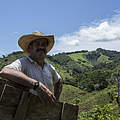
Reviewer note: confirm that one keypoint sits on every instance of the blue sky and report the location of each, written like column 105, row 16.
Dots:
column 76, row 24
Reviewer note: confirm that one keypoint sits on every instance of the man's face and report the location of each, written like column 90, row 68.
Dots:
column 37, row 49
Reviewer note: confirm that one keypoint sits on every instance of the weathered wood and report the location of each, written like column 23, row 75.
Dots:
column 9, row 99
column 17, row 104
column 38, row 111
column 22, row 107
column 2, row 87
column 7, row 112
column 70, row 112
column 11, row 96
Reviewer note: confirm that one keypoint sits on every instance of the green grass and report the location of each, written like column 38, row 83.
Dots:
column 69, row 93
column 76, row 56
column 79, row 57
column 103, row 59
column 86, row 100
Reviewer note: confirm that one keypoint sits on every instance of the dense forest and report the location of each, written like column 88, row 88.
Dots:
column 90, row 78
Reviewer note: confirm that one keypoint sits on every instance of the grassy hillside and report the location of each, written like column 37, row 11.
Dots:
column 78, row 57
column 87, row 76
column 103, row 59
column 88, row 101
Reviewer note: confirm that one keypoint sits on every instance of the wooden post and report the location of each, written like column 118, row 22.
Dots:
column 22, row 107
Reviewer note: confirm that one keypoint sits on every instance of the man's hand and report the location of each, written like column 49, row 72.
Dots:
column 45, row 94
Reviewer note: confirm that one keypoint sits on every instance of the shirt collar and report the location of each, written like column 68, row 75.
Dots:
column 32, row 61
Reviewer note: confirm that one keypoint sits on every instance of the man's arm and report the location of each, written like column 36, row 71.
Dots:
column 58, row 89
column 21, row 78
column 17, row 76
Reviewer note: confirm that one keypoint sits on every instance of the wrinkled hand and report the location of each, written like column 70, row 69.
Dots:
column 45, row 95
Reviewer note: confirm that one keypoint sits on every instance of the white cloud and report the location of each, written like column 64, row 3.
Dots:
column 105, row 34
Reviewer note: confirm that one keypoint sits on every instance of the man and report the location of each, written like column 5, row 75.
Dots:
column 32, row 71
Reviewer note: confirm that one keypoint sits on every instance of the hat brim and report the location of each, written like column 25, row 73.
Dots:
column 25, row 40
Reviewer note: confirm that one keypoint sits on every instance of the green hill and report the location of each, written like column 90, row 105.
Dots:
column 87, row 101
column 87, row 76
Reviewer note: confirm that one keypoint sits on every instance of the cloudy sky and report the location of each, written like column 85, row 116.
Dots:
column 76, row 24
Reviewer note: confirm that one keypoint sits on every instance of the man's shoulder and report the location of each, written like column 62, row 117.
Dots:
column 23, row 59
column 50, row 66
column 19, row 60
column 17, row 64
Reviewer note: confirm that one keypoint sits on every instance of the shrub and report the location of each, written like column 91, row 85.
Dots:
column 99, row 113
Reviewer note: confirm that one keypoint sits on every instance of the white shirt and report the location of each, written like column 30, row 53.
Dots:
column 48, row 75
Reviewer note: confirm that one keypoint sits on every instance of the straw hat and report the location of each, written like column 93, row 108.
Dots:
column 25, row 40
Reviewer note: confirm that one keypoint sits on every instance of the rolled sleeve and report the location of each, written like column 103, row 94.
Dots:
column 17, row 65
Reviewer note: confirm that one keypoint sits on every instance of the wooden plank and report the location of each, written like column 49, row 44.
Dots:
column 22, row 107
column 2, row 86
column 7, row 112
column 70, row 112
column 39, row 111
column 9, row 93
column 11, row 96
column 9, row 99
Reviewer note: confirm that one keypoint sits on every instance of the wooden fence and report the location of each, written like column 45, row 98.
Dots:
column 18, row 104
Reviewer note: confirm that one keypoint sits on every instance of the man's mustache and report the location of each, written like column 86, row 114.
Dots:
column 40, row 49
